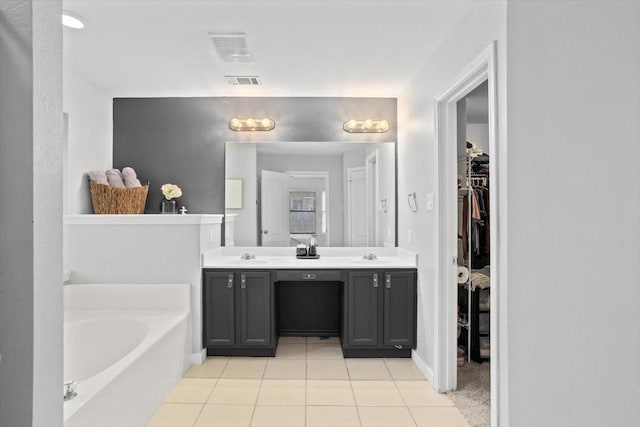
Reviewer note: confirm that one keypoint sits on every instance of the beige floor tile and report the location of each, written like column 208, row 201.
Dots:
column 329, row 392
column 376, row 393
column 403, row 369
column 212, row 367
column 325, row 369
column 175, row 415
column 245, row 367
column 282, row 392
column 332, row 416
column 278, row 416
column 317, row 340
column 367, row 369
column 324, row 351
column 225, row 416
column 286, row 369
column 420, row 393
column 438, row 417
column 385, row 417
column 192, row 390
column 292, row 340
column 291, row 351
column 235, row 392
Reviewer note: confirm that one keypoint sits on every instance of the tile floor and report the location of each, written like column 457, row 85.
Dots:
column 309, row 384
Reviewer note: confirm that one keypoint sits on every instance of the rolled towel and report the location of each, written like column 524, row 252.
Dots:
column 130, row 178
column 98, row 176
column 115, row 178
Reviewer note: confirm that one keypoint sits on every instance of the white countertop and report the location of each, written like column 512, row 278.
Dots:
column 330, row 258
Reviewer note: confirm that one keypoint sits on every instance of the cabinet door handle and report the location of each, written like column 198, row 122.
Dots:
column 309, row 276
column 230, row 281
column 243, row 281
column 388, row 280
column 375, row 280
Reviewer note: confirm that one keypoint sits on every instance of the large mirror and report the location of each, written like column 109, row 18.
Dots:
column 341, row 194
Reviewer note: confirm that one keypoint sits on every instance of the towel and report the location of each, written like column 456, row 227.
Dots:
column 99, row 176
column 130, row 178
column 115, row 178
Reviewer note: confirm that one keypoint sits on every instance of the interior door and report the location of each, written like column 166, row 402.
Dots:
column 274, row 209
column 357, row 209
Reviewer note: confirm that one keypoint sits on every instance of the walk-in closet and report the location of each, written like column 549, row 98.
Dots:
column 474, row 253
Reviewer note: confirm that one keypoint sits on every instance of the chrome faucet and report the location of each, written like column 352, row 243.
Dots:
column 247, row 255
column 369, row 256
column 70, row 390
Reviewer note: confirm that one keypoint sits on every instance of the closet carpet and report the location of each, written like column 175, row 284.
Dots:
column 473, row 396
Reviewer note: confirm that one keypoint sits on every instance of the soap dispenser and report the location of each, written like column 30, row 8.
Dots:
column 312, row 251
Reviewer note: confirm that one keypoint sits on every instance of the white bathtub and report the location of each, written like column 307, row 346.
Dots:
column 126, row 346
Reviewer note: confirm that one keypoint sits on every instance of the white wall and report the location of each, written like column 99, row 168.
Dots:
column 484, row 23
column 478, row 133
column 90, row 133
column 31, row 217
column 574, row 209
column 332, row 164
column 240, row 162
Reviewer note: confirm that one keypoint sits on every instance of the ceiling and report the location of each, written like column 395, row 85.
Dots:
column 161, row 48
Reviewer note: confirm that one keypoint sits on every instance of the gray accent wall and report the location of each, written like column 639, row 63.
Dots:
column 181, row 140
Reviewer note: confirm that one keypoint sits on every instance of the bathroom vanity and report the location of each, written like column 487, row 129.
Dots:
column 369, row 303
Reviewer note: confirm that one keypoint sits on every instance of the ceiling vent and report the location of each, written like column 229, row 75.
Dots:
column 232, row 47
column 243, row 80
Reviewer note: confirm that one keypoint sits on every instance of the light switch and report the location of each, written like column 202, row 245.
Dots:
column 429, row 201
column 409, row 236
column 210, row 236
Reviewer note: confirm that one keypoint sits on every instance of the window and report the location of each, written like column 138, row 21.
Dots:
column 302, row 212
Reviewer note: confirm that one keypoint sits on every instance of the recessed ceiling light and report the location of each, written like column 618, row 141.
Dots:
column 72, row 20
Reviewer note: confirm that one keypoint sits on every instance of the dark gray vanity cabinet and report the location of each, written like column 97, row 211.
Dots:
column 379, row 313
column 238, row 313
column 219, row 308
column 399, row 312
column 362, row 308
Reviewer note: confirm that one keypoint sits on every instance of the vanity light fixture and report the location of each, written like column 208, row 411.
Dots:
column 71, row 20
column 250, row 124
column 366, row 126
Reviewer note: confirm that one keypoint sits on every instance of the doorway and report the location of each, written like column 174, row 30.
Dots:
column 481, row 69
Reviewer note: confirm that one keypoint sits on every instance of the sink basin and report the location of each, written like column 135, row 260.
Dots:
column 369, row 261
column 253, row 261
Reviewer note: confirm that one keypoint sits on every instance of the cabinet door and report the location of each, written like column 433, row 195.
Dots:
column 256, row 308
column 399, row 308
column 362, row 308
column 219, row 309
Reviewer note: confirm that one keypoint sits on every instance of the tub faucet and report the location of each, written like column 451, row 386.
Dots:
column 70, row 390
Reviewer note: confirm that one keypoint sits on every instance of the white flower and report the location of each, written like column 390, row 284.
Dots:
column 171, row 191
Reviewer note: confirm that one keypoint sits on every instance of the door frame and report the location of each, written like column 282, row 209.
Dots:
column 347, row 209
column 372, row 168
column 482, row 68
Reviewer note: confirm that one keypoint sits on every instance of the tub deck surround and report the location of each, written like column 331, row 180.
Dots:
column 126, row 346
column 330, row 258
column 161, row 249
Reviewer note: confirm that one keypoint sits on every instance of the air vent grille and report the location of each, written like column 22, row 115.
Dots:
column 232, row 47
column 243, row 80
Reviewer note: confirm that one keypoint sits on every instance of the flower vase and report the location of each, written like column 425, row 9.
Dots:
column 168, row 207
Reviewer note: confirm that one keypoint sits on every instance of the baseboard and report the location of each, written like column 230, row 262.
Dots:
column 199, row 358
column 424, row 368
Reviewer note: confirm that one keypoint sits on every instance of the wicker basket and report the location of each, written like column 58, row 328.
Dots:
column 112, row 200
